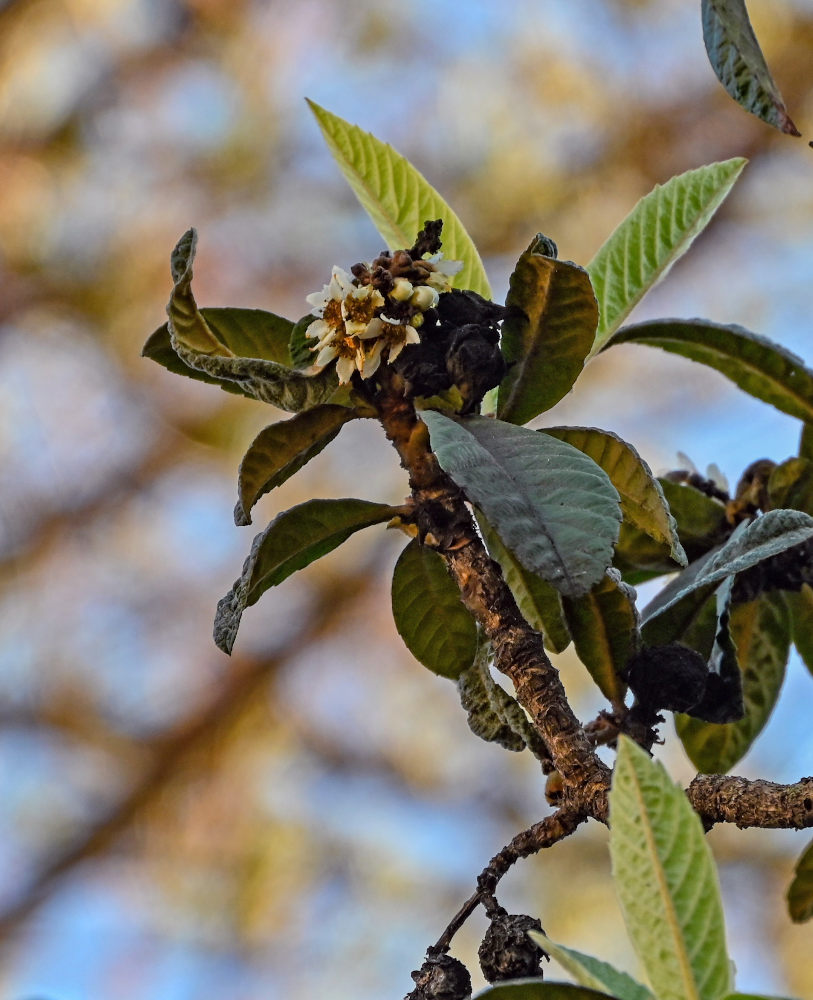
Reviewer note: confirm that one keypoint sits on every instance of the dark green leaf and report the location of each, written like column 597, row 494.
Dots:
column 756, row 365
column 737, row 59
column 604, row 626
column 282, row 449
column 801, row 613
column 546, row 335
column 493, row 714
column 293, row 540
column 656, row 233
column 761, row 634
column 806, row 442
column 800, row 891
column 539, row 602
column 249, row 332
column 767, row 536
column 300, row 346
column 430, row 618
column 551, row 505
column 535, row 989
column 642, row 501
column 791, row 485
column 198, row 346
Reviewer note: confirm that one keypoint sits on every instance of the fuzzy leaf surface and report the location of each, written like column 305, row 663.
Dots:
column 536, row 989
column 539, row 602
column 293, row 540
column 643, row 504
column 769, row 535
column 760, row 631
column 800, row 891
column 198, row 346
column 430, row 618
column 666, row 881
column 801, row 612
column 281, row 449
column 592, row 972
column 754, row 364
column 551, row 505
column 737, row 60
column 398, row 199
column 546, row 335
column 658, row 231
column 604, row 626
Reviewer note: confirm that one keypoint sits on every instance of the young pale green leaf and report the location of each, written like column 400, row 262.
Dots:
column 293, row 540
column 737, row 60
column 760, row 631
column 801, row 613
column 246, row 332
column 546, row 335
column 430, row 618
column 658, row 231
column 536, row 989
column 592, row 972
column 752, row 996
column 539, row 602
column 754, row 364
column 198, row 346
column 281, row 450
column 800, row 891
column 493, row 714
column 604, row 626
column 397, row 198
column 774, row 532
column 643, row 504
column 666, row 881
column 551, row 505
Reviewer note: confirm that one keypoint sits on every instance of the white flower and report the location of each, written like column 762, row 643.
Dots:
column 442, row 271
column 392, row 335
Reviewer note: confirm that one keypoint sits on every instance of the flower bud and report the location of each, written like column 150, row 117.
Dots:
column 401, row 290
column 424, row 298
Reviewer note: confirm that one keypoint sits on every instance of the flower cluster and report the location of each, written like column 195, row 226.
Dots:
column 377, row 311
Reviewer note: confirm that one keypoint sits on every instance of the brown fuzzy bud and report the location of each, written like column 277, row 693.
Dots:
column 506, row 951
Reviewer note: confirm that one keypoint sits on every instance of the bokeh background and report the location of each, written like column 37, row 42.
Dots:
column 302, row 819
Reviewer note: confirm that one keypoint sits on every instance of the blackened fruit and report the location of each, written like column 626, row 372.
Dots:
column 672, row 677
column 441, row 977
column 506, row 951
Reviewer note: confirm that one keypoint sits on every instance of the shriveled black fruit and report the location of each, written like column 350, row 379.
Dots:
column 673, row 677
column 475, row 363
column 441, row 977
column 506, row 951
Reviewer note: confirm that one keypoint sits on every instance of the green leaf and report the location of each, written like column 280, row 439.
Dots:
column 754, row 364
column 767, row 536
column 806, row 442
column 246, row 332
column 536, row 989
column 397, row 198
column 552, row 506
column 546, row 335
column 493, row 714
column 293, row 540
column 198, row 346
column 604, row 626
column 801, row 613
column 299, row 345
column 791, row 485
column 760, row 631
column 281, row 450
column 658, row 231
column 752, row 996
column 800, row 891
column 737, row 60
column 430, row 618
column 666, row 881
column 539, row 602
column 592, row 972
column 643, row 504
column 701, row 520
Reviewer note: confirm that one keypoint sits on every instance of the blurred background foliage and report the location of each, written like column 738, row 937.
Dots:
column 301, row 820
